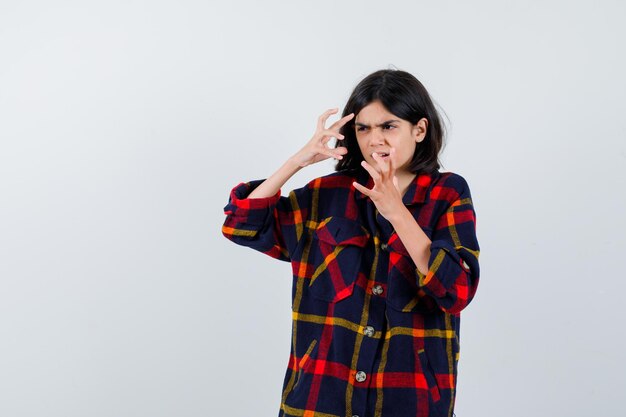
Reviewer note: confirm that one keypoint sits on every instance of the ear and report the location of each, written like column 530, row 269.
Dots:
column 419, row 129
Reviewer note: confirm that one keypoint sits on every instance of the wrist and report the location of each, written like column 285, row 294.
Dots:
column 400, row 216
column 292, row 164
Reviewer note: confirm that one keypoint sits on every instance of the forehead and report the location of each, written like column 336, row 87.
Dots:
column 374, row 113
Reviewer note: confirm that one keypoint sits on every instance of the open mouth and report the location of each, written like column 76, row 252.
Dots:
column 381, row 154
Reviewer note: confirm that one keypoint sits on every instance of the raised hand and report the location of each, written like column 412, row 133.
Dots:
column 386, row 192
column 316, row 150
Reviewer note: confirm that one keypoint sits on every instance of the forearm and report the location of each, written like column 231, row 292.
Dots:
column 271, row 185
column 413, row 238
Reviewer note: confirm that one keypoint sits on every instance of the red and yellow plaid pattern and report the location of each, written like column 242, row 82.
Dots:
column 371, row 335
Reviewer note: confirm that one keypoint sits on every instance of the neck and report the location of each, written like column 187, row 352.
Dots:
column 404, row 180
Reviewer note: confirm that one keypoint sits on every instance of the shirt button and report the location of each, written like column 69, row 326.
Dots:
column 360, row 376
column 354, row 415
column 377, row 289
column 384, row 246
column 369, row 331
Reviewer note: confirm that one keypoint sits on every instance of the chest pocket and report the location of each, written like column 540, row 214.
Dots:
column 337, row 247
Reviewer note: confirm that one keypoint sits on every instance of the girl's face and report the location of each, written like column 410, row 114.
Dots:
column 378, row 130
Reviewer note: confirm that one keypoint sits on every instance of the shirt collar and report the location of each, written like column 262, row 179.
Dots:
column 415, row 194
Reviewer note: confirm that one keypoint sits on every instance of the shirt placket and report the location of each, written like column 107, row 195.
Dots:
column 375, row 329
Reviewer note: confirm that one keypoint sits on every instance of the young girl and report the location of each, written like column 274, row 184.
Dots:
column 384, row 256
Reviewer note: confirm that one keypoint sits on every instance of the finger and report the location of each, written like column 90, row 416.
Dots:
column 375, row 165
column 339, row 123
column 340, row 150
column 324, row 141
column 392, row 159
column 332, row 134
column 382, row 164
column 321, row 121
column 362, row 189
column 331, row 154
column 373, row 173
column 336, row 151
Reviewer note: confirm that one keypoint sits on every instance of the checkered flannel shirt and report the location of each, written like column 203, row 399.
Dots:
column 372, row 335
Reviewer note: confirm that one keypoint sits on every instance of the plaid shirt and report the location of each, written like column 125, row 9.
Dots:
column 371, row 335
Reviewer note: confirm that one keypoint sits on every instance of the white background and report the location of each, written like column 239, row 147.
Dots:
column 124, row 125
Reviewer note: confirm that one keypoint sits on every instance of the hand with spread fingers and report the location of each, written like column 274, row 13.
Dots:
column 316, row 150
column 386, row 192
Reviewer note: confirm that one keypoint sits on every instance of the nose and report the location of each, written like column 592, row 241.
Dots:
column 377, row 137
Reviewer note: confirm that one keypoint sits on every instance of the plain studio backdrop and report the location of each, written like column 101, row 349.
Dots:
column 124, row 126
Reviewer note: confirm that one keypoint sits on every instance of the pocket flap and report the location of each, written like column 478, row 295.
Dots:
column 341, row 231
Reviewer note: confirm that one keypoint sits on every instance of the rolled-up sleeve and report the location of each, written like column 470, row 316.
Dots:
column 272, row 225
column 453, row 270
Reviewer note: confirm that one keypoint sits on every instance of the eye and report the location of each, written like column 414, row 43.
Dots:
column 388, row 127
column 360, row 128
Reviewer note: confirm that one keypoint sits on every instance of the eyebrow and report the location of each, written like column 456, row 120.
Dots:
column 382, row 124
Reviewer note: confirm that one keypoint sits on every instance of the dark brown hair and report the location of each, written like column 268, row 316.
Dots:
column 404, row 96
